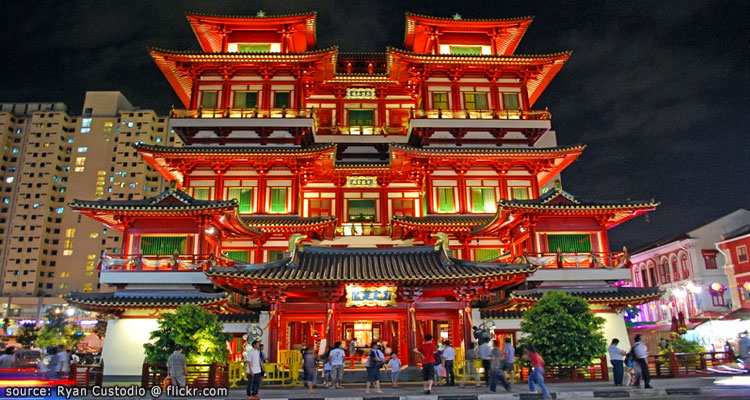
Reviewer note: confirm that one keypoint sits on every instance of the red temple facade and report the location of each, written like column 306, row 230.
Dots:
column 373, row 196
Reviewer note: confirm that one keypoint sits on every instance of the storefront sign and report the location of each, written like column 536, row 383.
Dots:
column 360, row 93
column 361, row 182
column 379, row 296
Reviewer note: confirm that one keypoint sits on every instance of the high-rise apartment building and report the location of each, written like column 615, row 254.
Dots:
column 49, row 158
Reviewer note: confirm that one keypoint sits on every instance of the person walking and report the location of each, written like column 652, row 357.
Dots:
column 63, row 361
column 640, row 356
column 485, row 354
column 496, row 369
column 537, row 374
column 395, row 366
column 449, row 356
column 375, row 361
column 310, row 367
column 254, row 371
column 337, row 357
column 509, row 359
column 327, row 371
column 744, row 346
column 616, row 358
column 177, row 367
column 470, row 370
column 427, row 350
column 438, row 365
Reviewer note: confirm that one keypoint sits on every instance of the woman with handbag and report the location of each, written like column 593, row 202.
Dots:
column 375, row 361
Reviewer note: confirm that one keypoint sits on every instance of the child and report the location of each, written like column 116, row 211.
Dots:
column 327, row 373
column 395, row 365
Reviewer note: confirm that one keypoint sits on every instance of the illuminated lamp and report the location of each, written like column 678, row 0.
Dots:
column 746, row 285
column 717, row 287
column 70, row 312
column 210, row 230
column 653, row 306
column 679, row 293
column 663, row 306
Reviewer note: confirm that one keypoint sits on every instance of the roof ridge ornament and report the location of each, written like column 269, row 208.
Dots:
column 442, row 243
column 295, row 247
column 558, row 185
column 260, row 14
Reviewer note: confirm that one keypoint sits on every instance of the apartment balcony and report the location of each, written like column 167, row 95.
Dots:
column 593, row 266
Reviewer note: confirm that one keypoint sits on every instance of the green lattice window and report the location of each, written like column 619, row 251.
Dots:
column 475, row 101
column 486, row 254
column 245, row 99
column 244, row 196
column 467, row 50
column 163, row 245
column 361, row 210
column 446, row 201
column 360, row 118
column 275, row 255
column 510, row 100
column 569, row 242
column 238, row 255
column 278, row 200
column 520, row 193
column 483, row 200
column 281, row 100
column 208, row 98
column 440, row 101
column 254, row 48
column 202, row 193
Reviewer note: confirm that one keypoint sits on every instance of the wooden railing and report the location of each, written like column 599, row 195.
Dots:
column 578, row 260
column 197, row 375
column 684, row 365
column 164, row 263
column 242, row 113
column 360, row 130
column 86, row 375
column 362, row 229
column 482, row 114
column 556, row 373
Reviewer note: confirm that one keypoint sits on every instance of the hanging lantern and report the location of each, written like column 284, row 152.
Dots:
column 717, row 287
column 746, row 285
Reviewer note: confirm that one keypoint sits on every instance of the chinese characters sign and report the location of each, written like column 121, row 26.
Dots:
column 360, row 93
column 361, row 182
column 379, row 296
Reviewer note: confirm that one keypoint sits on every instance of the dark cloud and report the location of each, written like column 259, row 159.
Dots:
column 657, row 90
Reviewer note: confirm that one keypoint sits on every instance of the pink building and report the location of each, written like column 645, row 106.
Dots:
column 734, row 247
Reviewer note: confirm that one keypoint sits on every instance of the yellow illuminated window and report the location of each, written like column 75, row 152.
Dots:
column 80, row 164
column 63, row 285
column 91, row 257
column 67, row 252
column 94, row 235
column 70, row 233
column 64, row 274
column 87, row 287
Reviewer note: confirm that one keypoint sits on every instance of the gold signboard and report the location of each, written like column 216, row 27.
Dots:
column 360, row 93
column 378, row 296
column 361, row 182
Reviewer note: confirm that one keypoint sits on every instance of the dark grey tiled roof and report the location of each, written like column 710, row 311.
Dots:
column 546, row 200
column 501, row 314
column 261, row 221
column 170, row 199
column 599, row 293
column 238, row 318
column 401, row 264
column 447, row 219
column 142, row 299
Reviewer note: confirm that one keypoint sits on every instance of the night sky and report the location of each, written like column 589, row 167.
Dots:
column 657, row 90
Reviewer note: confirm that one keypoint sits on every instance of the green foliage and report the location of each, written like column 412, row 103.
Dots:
column 193, row 328
column 27, row 335
column 564, row 330
column 57, row 331
column 682, row 345
column 100, row 329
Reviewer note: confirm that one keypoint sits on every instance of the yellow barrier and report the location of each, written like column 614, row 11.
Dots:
column 236, row 373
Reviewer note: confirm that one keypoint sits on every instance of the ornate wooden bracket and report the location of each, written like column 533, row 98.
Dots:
column 410, row 293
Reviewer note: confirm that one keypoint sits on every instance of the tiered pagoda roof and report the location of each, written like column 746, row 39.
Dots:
column 322, row 227
column 612, row 296
column 118, row 302
column 403, row 265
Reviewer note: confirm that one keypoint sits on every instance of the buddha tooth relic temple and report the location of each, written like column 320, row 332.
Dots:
column 323, row 195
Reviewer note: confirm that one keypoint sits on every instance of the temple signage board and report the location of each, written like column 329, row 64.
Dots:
column 375, row 296
column 361, row 182
column 360, row 93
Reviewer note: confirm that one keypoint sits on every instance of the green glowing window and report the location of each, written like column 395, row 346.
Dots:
column 244, row 196
column 510, row 100
column 466, row 50
column 208, row 98
column 482, row 200
column 569, row 243
column 253, row 48
column 361, row 210
column 275, row 255
column 245, row 99
column 238, row 255
column 520, row 193
column 475, row 101
column 281, row 99
column 360, row 118
column 486, row 254
column 440, row 101
column 163, row 245
column 278, row 200
column 446, row 201
column 201, row 193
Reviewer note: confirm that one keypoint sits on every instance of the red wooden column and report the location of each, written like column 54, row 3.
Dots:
column 331, row 295
column 274, row 297
column 410, row 295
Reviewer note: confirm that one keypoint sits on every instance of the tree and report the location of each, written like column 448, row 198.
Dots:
column 196, row 330
column 27, row 335
column 564, row 330
column 57, row 331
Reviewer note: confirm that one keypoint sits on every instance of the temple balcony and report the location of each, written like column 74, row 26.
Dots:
column 157, row 269
column 362, row 229
column 593, row 266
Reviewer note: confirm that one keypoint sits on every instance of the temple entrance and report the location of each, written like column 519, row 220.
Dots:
column 301, row 334
column 365, row 332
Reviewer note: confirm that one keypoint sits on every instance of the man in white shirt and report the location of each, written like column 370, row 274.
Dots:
column 337, row 357
column 616, row 356
column 485, row 354
column 6, row 360
column 254, row 371
column 449, row 355
column 63, row 361
column 640, row 355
